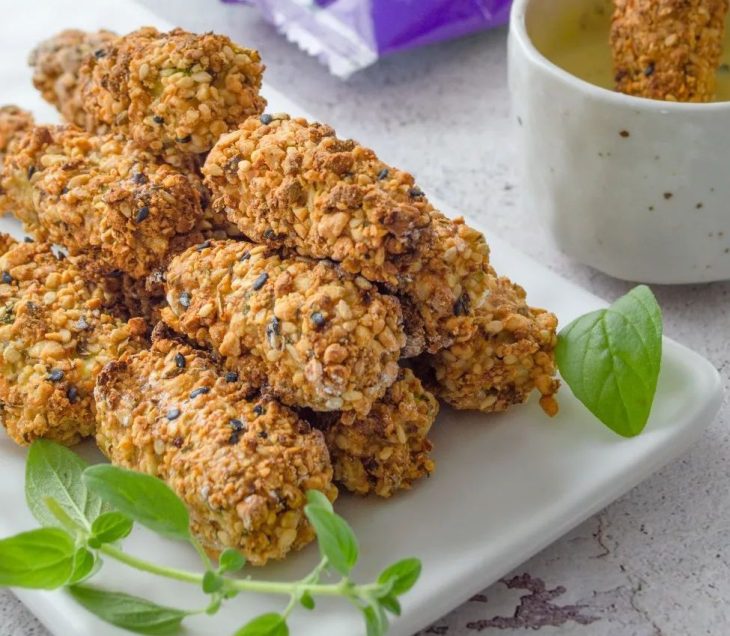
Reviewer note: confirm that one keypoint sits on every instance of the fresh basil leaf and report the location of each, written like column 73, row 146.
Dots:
column 335, row 537
column 110, row 527
column 128, row 612
column 212, row 582
column 38, row 559
column 402, row 574
column 318, row 498
column 84, row 562
column 53, row 471
column 142, row 497
column 307, row 601
column 265, row 625
column 611, row 359
column 391, row 604
column 231, row 560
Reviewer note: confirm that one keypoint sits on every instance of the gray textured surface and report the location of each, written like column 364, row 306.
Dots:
column 653, row 563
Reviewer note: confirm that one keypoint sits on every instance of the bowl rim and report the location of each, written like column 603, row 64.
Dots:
column 518, row 31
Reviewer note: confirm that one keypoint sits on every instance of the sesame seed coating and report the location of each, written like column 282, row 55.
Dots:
column 668, row 49
column 508, row 354
column 56, row 66
column 172, row 93
column 265, row 329
column 388, row 449
column 82, row 191
column 294, row 184
column 247, row 493
column 55, row 337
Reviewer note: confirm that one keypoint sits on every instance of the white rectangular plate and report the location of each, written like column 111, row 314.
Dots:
column 505, row 485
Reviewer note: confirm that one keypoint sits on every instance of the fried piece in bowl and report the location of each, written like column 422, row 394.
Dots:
column 291, row 183
column 668, row 49
column 316, row 336
column 388, row 449
column 55, row 337
column 241, row 464
column 100, row 196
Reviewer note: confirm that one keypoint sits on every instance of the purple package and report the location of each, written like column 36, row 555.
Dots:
column 348, row 35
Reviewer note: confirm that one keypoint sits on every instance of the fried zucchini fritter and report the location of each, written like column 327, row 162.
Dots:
column 55, row 337
column 242, row 466
column 319, row 338
column 14, row 122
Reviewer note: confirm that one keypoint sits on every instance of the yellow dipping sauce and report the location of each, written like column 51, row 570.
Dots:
column 579, row 44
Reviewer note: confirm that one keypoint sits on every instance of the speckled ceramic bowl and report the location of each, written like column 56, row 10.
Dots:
column 637, row 188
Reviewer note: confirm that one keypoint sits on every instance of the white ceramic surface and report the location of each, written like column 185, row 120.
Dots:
column 505, row 486
column 636, row 188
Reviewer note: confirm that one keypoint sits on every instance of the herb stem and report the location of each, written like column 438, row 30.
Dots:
column 146, row 566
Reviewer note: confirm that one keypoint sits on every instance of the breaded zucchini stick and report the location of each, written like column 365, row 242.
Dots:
column 173, row 93
column 57, row 64
column 55, row 337
column 318, row 337
column 294, row 184
column 509, row 353
column 668, row 49
column 241, row 465
column 388, row 449
column 100, row 196
column 14, row 122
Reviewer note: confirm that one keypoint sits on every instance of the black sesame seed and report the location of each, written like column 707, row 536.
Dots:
column 269, row 234
column 173, row 414
column 235, row 436
column 260, row 281
column 649, row 70
column 177, row 442
column 139, row 178
column 258, row 409
column 245, row 256
column 115, row 273
column 273, row 327
column 318, row 319
column 64, row 190
column 263, row 434
column 237, row 425
column 202, row 246
column 28, row 239
column 201, row 390
column 6, row 278
column 266, row 119
column 383, row 174
column 231, row 376
column 142, row 214
column 99, row 53
column 184, row 140
column 415, row 192
column 158, row 120
column 180, row 360
column 31, row 171
column 185, row 299
column 72, row 394
column 56, row 375
column 461, row 306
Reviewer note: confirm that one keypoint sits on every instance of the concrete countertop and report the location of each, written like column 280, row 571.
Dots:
column 653, row 563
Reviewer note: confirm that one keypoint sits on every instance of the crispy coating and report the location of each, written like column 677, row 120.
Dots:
column 172, row 93
column 56, row 65
column 55, row 337
column 388, row 449
column 242, row 466
column 101, row 196
column 320, row 338
column 294, row 184
column 14, row 122
column 508, row 354
column 668, row 49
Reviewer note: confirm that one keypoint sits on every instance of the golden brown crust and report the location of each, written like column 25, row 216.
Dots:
column 55, row 336
column 14, row 122
column 668, row 49
column 172, row 93
column 101, row 196
column 509, row 353
column 388, row 449
column 56, row 66
column 242, row 466
column 318, row 337
column 294, row 184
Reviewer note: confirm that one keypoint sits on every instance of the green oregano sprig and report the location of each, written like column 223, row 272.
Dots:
column 86, row 511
